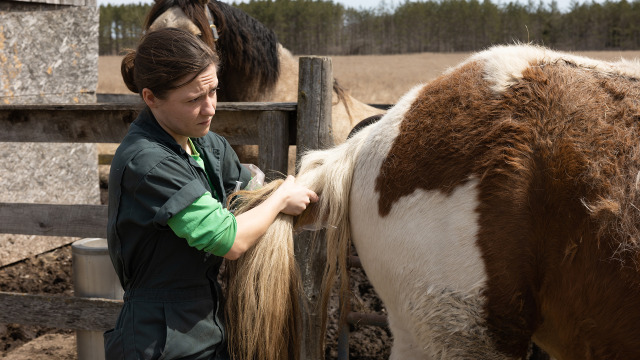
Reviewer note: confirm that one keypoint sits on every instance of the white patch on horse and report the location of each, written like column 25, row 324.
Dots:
column 504, row 65
column 175, row 18
column 432, row 288
column 432, row 285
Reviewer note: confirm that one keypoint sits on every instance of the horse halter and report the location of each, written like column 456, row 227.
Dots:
column 212, row 26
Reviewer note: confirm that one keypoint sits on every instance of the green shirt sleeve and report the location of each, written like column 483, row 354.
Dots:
column 206, row 225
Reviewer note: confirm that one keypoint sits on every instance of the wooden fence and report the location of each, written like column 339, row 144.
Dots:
column 271, row 126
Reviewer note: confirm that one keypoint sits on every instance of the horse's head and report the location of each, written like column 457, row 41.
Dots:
column 176, row 18
column 192, row 16
column 248, row 50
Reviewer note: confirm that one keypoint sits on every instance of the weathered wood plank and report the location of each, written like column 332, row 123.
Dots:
column 314, row 111
column 274, row 141
column 105, row 159
column 314, row 132
column 221, row 106
column 60, row 312
column 108, row 123
column 256, row 106
column 65, row 125
column 62, row 2
column 54, row 220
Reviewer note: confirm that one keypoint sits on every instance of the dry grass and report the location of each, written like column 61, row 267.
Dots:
column 375, row 79
column 109, row 77
column 382, row 79
column 379, row 79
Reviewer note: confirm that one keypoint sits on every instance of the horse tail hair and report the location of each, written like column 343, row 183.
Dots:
column 263, row 286
column 341, row 94
column 330, row 173
column 262, row 310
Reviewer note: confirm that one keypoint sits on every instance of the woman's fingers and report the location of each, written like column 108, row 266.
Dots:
column 313, row 197
column 297, row 196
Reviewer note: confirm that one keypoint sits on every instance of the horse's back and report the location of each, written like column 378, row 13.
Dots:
column 491, row 192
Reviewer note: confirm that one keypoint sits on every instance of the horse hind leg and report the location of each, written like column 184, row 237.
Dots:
column 442, row 324
column 404, row 346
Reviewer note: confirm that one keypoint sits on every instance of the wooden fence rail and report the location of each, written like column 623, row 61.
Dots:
column 54, row 220
column 108, row 123
column 60, row 312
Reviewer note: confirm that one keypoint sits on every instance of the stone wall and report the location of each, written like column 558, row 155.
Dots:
column 48, row 54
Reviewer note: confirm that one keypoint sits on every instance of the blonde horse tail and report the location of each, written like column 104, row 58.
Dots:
column 330, row 173
column 263, row 287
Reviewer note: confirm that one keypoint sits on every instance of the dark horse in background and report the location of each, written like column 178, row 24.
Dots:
column 254, row 66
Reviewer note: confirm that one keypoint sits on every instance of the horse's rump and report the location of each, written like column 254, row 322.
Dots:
column 536, row 154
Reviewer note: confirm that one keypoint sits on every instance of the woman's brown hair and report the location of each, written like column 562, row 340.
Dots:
column 163, row 59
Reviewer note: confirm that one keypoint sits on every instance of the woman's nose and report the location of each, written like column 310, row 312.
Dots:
column 209, row 107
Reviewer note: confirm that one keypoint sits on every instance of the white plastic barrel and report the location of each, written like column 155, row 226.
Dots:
column 93, row 276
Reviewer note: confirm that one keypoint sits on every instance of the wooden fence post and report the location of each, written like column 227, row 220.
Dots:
column 273, row 127
column 314, row 132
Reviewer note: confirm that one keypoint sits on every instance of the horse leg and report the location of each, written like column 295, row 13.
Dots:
column 404, row 346
column 424, row 264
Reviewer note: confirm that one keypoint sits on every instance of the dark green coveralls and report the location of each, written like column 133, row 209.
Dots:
column 173, row 302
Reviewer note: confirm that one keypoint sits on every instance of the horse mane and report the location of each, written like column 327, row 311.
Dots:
column 248, row 50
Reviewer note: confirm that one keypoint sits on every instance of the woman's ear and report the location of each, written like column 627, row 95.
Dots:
column 148, row 97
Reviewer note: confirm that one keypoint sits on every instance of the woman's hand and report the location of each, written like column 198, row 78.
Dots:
column 290, row 198
column 295, row 197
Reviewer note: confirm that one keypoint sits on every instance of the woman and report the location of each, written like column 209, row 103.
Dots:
column 168, row 230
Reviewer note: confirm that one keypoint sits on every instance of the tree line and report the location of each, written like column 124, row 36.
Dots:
column 120, row 27
column 327, row 28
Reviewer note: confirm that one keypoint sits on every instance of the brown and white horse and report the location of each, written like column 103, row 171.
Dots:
column 254, row 66
column 495, row 206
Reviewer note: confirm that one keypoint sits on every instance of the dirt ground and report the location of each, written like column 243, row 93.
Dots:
column 48, row 273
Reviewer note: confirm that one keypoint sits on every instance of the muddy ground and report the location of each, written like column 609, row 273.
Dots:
column 48, row 273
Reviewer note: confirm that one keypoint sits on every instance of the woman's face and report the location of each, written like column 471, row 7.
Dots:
column 187, row 111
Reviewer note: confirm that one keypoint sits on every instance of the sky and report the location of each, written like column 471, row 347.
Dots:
column 563, row 5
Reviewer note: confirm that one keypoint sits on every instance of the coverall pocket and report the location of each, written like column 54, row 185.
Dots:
column 113, row 345
column 191, row 329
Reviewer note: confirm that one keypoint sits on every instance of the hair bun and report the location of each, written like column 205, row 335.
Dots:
column 127, row 69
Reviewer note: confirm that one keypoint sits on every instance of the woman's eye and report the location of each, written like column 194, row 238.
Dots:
column 214, row 90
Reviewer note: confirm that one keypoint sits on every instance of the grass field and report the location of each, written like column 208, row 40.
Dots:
column 374, row 79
